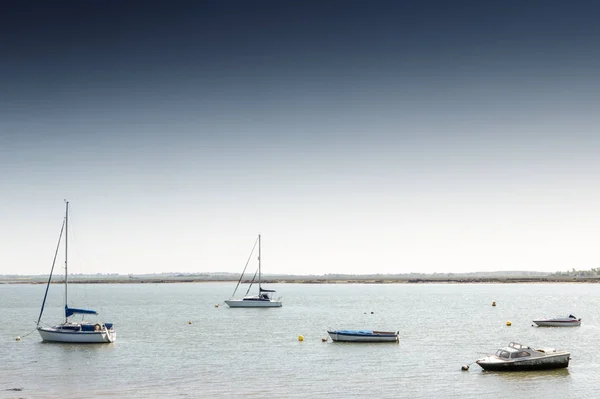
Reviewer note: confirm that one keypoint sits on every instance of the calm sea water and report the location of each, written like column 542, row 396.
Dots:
column 255, row 353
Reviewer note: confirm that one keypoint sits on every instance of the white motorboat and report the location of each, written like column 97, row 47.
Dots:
column 517, row 357
column 363, row 336
column 566, row 321
column 264, row 297
column 71, row 331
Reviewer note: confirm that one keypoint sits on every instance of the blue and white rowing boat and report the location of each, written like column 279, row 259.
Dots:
column 363, row 336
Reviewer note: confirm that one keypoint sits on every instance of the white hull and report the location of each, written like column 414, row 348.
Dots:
column 340, row 337
column 241, row 303
column 557, row 323
column 51, row 334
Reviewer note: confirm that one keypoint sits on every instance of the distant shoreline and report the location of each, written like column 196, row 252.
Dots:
column 307, row 280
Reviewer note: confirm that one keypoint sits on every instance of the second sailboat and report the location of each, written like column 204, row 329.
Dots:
column 264, row 297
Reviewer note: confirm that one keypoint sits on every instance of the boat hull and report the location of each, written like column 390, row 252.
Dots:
column 241, row 303
column 545, row 363
column 348, row 336
column 51, row 334
column 557, row 323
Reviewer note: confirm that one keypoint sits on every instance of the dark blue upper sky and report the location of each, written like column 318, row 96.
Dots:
column 184, row 53
column 422, row 123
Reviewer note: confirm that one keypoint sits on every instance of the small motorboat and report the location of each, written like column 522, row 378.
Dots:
column 517, row 357
column 568, row 321
column 363, row 336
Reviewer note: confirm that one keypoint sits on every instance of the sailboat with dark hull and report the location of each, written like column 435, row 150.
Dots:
column 72, row 331
column 264, row 297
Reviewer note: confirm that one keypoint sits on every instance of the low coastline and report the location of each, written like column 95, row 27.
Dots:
column 300, row 280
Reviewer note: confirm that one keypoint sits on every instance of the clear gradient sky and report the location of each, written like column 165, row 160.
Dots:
column 356, row 137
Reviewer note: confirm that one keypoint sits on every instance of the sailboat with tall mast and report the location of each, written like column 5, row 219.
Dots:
column 264, row 297
column 73, row 331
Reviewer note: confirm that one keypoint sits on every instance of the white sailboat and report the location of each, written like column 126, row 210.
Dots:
column 71, row 331
column 264, row 297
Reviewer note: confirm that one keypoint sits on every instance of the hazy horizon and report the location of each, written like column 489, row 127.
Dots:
column 248, row 275
column 386, row 137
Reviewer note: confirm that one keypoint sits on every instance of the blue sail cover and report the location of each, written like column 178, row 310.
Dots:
column 71, row 311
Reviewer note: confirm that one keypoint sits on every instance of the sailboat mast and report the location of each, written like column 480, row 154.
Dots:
column 62, row 228
column 259, row 278
column 66, row 252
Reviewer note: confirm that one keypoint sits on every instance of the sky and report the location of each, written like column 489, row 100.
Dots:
column 355, row 137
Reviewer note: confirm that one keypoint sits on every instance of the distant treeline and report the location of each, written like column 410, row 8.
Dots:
column 594, row 272
column 592, row 275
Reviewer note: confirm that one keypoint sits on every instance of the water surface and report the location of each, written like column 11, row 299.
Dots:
column 228, row 353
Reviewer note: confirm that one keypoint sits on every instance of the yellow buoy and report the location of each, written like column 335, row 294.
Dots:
column 18, row 338
column 493, row 303
column 508, row 323
column 300, row 338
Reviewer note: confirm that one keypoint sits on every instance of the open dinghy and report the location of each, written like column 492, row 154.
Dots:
column 363, row 336
column 567, row 321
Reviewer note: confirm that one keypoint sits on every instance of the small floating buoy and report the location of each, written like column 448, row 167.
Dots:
column 465, row 367
column 323, row 339
column 372, row 313
column 216, row 305
column 18, row 338
column 300, row 338
column 508, row 323
column 189, row 322
column 493, row 303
